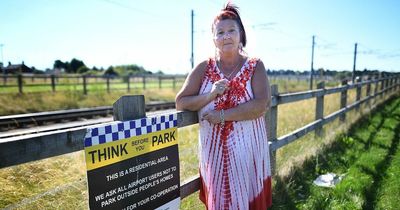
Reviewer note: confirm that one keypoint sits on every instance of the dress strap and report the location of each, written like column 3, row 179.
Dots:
column 211, row 73
column 252, row 65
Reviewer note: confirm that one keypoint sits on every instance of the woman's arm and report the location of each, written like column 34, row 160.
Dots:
column 188, row 98
column 251, row 109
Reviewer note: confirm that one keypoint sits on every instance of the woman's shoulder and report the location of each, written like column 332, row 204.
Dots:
column 201, row 68
column 254, row 59
column 202, row 65
column 255, row 62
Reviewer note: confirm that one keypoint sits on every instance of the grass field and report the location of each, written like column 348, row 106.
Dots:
column 37, row 85
column 93, row 85
column 60, row 182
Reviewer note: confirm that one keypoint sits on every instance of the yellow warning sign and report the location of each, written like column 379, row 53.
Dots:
column 112, row 152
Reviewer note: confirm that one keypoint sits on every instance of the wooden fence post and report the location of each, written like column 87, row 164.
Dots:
column 382, row 87
column 144, row 81
column 319, row 111
column 129, row 108
column 20, row 81
column 271, row 119
column 159, row 82
column 108, row 83
column 368, row 91
column 391, row 84
column 84, row 85
column 397, row 83
column 376, row 88
column 358, row 92
column 4, row 79
column 343, row 100
column 387, row 85
column 128, row 80
column 53, row 83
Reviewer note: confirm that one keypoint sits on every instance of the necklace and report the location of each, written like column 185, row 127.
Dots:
column 233, row 70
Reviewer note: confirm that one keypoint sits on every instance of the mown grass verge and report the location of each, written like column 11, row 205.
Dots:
column 368, row 156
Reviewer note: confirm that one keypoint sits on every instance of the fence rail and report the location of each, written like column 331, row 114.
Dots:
column 83, row 82
column 21, row 120
column 17, row 150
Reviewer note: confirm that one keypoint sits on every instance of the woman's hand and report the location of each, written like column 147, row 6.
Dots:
column 212, row 116
column 218, row 88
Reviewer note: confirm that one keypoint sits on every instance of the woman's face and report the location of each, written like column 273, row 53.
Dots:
column 226, row 36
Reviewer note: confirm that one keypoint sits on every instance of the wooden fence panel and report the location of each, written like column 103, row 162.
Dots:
column 31, row 147
column 343, row 100
column 271, row 119
column 358, row 91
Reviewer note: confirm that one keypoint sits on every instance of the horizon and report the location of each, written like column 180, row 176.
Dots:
column 156, row 35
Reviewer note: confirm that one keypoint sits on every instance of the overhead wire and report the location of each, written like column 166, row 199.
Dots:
column 129, row 7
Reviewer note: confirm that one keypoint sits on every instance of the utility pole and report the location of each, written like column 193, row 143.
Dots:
column 312, row 63
column 192, row 57
column 354, row 64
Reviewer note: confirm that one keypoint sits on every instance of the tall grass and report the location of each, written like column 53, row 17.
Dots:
column 38, row 99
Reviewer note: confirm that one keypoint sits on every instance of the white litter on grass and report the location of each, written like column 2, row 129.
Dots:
column 328, row 180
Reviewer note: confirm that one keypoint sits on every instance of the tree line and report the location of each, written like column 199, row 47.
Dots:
column 76, row 66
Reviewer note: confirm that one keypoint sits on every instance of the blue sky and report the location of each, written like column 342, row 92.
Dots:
column 156, row 34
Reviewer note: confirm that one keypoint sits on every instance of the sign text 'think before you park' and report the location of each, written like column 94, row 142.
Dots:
column 134, row 164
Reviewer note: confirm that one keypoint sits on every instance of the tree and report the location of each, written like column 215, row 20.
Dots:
column 83, row 69
column 131, row 69
column 68, row 68
column 110, row 72
column 60, row 65
column 75, row 65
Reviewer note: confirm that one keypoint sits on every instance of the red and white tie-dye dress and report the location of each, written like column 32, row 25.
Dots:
column 234, row 158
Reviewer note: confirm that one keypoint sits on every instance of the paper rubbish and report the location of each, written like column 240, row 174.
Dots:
column 328, row 180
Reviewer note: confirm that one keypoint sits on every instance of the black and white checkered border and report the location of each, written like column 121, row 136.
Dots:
column 127, row 129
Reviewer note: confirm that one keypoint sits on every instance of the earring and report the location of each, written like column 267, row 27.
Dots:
column 241, row 50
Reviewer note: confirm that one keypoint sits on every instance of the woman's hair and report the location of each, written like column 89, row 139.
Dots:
column 231, row 12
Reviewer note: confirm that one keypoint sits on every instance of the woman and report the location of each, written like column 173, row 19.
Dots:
column 231, row 94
